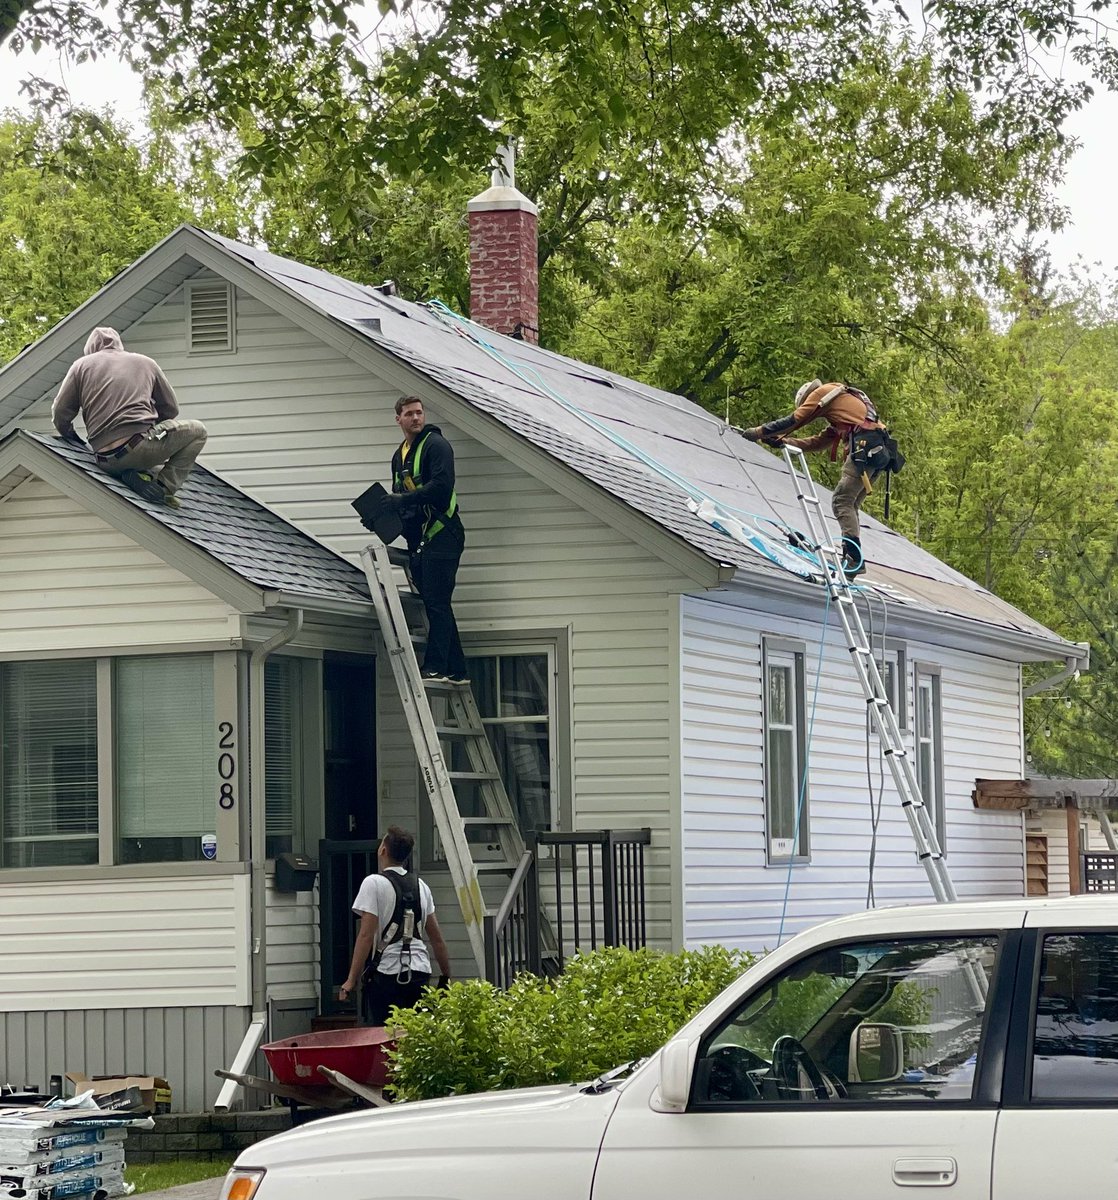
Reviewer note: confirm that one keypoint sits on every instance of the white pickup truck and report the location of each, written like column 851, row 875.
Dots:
column 972, row 1047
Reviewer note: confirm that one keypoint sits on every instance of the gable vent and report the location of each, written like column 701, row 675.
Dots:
column 209, row 317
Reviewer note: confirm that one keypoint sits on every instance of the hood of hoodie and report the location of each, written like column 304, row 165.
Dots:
column 104, row 337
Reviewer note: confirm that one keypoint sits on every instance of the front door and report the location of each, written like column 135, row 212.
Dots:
column 348, row 852
column 853, row 1075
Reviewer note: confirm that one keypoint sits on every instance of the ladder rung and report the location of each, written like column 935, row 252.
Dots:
column 487, row 821
column 458, row 731
column 490, row 867
column 476, row 776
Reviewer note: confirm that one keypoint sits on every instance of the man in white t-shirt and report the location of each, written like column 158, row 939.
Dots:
column 403, row 968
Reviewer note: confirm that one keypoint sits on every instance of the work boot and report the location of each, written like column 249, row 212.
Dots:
column 169, row 497
column 853, row 564
column 143, row 485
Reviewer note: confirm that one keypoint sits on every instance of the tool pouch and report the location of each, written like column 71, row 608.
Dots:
column 875, row 450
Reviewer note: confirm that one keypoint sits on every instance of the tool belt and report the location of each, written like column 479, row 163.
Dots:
column 875, row 450
column 124, row 447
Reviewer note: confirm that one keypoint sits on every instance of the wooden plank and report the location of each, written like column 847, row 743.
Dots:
column 1075, row 881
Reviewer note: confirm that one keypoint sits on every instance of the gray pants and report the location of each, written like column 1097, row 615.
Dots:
column 847, row 499
column 167, row 452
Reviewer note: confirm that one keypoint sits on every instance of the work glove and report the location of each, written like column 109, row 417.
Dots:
column 74, row 438
column 444, row 982
column 753, row 434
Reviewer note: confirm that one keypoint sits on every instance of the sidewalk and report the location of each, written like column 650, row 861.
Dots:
column 205, row 1189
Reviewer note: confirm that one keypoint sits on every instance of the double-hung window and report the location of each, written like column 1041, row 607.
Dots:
column 786, row 801
column 929, row 745
column 515, row 696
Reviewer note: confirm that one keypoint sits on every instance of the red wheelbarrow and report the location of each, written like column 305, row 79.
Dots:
column 327, row 1070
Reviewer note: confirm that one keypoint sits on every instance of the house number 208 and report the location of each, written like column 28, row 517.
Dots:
column 226, row 764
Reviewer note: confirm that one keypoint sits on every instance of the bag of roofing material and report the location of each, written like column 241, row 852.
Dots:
column 39, row 1145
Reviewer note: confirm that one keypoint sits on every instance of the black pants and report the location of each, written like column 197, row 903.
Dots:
column 386, row 990
column 434, row 570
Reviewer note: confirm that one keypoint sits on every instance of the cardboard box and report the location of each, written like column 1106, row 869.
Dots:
column 154, row 1091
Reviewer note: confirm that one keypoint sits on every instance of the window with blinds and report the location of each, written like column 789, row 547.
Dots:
column 48, row 763
column 283, row 740
column 165, row 743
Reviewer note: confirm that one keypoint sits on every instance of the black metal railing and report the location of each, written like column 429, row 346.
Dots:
column 342, row 867
column 1100, row 871
column 512, row 933
column 590, row 883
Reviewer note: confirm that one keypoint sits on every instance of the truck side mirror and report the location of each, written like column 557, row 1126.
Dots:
column 675, row 1077
column 876, row 1053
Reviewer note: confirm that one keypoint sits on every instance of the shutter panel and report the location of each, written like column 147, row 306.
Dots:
column 210, row 317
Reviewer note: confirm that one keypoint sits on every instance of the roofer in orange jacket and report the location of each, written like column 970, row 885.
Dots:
column 868, row 450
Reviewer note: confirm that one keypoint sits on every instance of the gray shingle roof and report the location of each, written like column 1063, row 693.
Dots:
column 234, row 529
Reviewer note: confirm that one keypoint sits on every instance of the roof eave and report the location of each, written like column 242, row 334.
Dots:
column 956, row 631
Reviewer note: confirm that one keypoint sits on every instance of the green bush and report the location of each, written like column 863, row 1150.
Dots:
column 607, row 1007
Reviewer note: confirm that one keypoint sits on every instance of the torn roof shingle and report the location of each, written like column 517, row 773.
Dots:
column 241, row 534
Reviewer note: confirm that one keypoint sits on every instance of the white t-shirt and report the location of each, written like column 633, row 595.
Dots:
column 378, row 897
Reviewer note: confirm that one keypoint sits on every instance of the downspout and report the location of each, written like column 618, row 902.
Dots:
column 1074, row 666
column 257, row 825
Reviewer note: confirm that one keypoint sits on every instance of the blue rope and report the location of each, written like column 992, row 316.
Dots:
column 533, row 378
column 807, row 761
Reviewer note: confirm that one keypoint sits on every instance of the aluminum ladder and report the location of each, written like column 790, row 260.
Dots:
column 877, row 700
column 461, row 723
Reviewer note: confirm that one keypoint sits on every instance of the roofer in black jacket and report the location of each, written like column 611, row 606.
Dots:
column 423, row 479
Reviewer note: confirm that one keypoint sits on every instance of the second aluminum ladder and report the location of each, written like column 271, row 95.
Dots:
column 877, row 699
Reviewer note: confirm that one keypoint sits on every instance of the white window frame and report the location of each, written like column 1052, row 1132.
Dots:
column 895, row 656
column 513, row 647
column 778, row 652
column 928, row 676
column 228, row 770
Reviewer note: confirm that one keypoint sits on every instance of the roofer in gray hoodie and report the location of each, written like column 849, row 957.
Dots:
column 131, row 418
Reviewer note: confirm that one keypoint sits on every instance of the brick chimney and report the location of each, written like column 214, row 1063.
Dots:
column 504, row 267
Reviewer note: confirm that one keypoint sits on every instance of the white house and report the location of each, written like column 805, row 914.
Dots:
column 650, row 671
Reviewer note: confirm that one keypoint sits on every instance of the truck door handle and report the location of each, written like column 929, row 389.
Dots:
column 925, row 1172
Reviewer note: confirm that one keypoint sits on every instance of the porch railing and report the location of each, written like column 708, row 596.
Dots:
column 590, row 882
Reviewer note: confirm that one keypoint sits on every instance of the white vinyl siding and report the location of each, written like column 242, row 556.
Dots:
column 69, row 581
column 127, row 943
column 292, row 925
column 731, row 894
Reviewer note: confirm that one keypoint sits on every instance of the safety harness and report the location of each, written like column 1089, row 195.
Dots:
column 406, row 479
column 403, row 927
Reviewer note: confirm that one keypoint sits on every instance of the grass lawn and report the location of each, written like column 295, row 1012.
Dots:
column 153, row 1177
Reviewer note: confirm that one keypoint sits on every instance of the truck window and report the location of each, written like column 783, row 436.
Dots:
column 895, row 1020
column 1075, row 1045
